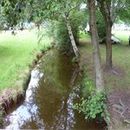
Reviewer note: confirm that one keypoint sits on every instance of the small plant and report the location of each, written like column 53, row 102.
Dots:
column 87, row 86
column 92, row 107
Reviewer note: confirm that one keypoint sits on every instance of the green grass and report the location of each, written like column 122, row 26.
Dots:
column 121, row 62
column 16, row 53
column 84, row 35
column 123, row 36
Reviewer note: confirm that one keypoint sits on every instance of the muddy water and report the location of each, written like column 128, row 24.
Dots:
column 50, row 107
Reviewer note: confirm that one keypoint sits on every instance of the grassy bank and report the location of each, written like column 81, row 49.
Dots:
column 120, row 78
column 117, row 83
column 16, row 53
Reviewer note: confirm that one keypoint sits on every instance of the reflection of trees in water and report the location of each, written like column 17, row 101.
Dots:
column 64, row 119
column 28, row 110
column 64, row 70
column 47, row 108
column 55, row 105
column 58, row 69
column 56, row 110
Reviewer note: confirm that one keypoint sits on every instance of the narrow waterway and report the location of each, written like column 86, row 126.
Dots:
column 49, row 105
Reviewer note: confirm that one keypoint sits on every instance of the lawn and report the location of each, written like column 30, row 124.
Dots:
column 16, row 53
column 121, row 65
column 123, row 36
column 121, row 62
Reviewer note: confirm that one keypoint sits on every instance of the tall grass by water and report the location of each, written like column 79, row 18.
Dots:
column 17, row 52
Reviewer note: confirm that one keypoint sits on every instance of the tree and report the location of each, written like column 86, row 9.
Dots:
column 12, row 11
column 124, row 11
column 100, row 25
column 117, row 7
column 56, row 11
column 64, row 10
column 105, row 8
column 39, row 10
column 73, row 42
column 96, row 54
column 110, row 10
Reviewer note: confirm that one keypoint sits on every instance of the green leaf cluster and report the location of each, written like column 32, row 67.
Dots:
column 100, row 25
column 92, row 107
column 87, row 86
column 12, row 11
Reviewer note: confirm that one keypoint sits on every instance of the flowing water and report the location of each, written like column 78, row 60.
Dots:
column 48, row 104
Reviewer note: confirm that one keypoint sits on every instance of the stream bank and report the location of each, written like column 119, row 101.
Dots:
column 53, row 99
column 116, row 84
column 13, row 97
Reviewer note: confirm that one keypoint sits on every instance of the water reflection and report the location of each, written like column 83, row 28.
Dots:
column 55, row 109
column 49, row 107
column 28, row 110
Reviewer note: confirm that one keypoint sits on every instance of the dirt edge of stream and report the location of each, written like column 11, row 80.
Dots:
column 12, row 97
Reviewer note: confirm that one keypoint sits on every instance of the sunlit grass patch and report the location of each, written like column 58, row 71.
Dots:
column 123, row 36
column 16, row 52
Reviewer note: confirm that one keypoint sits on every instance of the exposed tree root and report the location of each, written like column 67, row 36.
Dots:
column 121, row 109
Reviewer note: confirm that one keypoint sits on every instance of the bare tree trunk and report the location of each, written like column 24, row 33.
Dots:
column 75, row 48
column 95, row 41
column 105, row 8
column 108, row 47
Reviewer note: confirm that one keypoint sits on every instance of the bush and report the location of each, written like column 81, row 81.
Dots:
column 93, row 104
column 58, row 30
column 61, row 36
column 92, row 107
column 87, row 86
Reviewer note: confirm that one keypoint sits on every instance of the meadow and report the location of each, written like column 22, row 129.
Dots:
column 17, row 52
column 119, row 78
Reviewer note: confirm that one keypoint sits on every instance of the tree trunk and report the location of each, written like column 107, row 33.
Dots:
column 108, row 46
column 105, row 8
column 95, row 41
column 75, row 49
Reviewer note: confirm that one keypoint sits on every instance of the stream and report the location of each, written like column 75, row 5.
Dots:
column 50, row 97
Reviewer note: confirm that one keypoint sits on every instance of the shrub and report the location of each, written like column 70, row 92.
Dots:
column 92, row 107
column 87, row 86
column 93, row 104
column 58, row 30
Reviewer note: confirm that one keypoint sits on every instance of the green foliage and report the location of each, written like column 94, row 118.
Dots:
column 100, row 25
column 124, row 14
column 87, row 86
column 93, row 104
column 61, row 36
column 58, row 30
column 84, row 19
column 92, row 107
column 12, row 11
